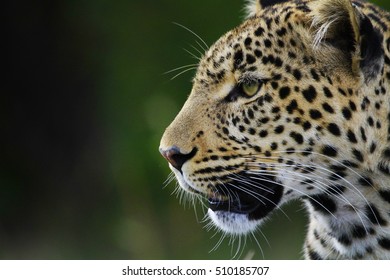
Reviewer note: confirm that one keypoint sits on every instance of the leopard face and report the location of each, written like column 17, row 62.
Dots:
column 284, row 107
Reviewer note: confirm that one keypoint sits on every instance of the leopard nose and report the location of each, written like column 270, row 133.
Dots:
column 175, row 157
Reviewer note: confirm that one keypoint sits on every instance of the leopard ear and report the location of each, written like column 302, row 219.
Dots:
column 255, row 6
column 340, row 26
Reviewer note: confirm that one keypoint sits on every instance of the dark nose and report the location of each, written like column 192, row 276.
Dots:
column 175, row 157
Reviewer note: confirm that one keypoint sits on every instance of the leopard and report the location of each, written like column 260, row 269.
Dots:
column 293, row 105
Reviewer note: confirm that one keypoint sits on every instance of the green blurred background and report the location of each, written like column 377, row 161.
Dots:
column 84, row 104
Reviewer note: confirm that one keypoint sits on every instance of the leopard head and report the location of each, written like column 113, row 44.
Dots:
column 268, row 108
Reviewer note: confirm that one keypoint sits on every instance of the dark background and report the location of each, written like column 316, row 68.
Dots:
column 84, row 103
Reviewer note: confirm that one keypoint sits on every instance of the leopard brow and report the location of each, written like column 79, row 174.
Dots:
column 248, row 78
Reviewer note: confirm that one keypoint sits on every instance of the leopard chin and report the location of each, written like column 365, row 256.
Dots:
column 233, row 223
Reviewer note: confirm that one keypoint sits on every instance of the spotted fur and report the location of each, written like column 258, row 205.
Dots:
column 317, row 127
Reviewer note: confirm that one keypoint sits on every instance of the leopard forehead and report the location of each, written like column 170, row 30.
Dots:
column 261, row 47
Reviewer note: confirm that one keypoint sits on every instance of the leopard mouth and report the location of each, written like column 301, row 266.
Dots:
column 253, row 201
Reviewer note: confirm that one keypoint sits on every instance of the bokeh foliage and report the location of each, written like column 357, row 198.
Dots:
column 84, row 105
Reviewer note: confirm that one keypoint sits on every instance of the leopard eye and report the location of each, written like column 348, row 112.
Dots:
column 251, row 88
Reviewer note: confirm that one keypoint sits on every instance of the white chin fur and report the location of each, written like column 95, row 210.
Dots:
column 233, row 223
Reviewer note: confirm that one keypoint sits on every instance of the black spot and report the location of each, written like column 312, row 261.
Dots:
column 313, row 255
column 258, row 53
column 250, row 59
column 342, row 92
column 248, row 41
column 252, row 131
column 267, row 43
column 344, row 240
column 225, row 130
column 263, row 133
column 369, row 250
column 370, row 121
column 279, row 129
column 278, row 62
column 329, row 151
column 268, row 98
column 352, row 106
column 328, row 108
column 284, row 92
column 385, row 195
column 238, row 58
column 281, row 32
column 306, row 125
column 264, row 120
column 297, row 74
column 315, row 75
column 338, row 170
column 214, row 157
column 334, row 129
column 297, row 137
column 374, row 216
column 297, row 120
column 251, row 115
column 327, row 92
column 384, row 243
column 293, row 43
column 347, row 113
column 316, row 235
column 259, row 31
column 363, row 134
column 366, row 182
column 292, row 55
column 372, row 148
column 221, row 75
column 315, row 114
column 310, row 94
column 323, row 203
column 359, row 232
column 275, row 110
column 351, row 136
column 358, row 155
column 292, row 106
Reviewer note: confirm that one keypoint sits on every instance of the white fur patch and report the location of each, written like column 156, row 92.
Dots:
column 233, row 223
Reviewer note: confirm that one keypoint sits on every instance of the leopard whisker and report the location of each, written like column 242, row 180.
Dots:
column 221, row 239
column 318, row 184
column 331, row 159
column 169, row 180
column 204, row 47
column 356, row 190
column 254, row 194
column 182, row 72
column 261, row 179
column 258, row 244
column 192, row 54
column 181, row 67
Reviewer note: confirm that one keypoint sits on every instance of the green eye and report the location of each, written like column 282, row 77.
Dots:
column 251, row 88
